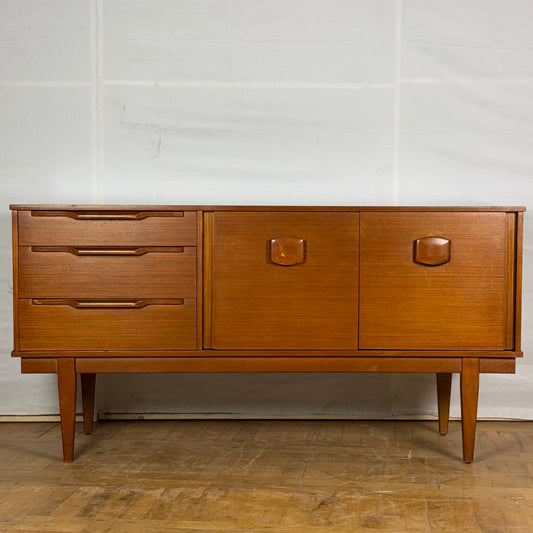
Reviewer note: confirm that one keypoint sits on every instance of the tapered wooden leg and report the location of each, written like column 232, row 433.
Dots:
column 66, row 384
column 88, row 382
column 444, row 388
column 469, row 399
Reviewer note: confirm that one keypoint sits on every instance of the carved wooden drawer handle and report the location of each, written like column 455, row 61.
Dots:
column 432, row 251
column 107, row 215
column 107, row 304
column 117, row 250
column 287, row 251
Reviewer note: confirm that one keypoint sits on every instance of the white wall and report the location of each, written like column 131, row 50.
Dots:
column 266, row 102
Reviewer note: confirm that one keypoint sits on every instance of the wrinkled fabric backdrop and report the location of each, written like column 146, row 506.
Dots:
column 266, row 102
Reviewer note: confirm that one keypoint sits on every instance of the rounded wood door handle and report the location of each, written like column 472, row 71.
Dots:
column 287, row 251
column 432, row 251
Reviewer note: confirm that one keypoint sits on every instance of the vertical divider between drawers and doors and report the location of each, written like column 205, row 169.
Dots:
column 207, row 279
column 357, row 347
column 199, row 279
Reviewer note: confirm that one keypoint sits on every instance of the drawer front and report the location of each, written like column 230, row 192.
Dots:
column 283, row 281
column 135, row 272
column 433, row 281
column 101, row 325
column 107, row 228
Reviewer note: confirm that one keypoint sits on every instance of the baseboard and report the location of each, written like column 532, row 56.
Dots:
column 235, row 416
column 245, row 416
column 34, row 418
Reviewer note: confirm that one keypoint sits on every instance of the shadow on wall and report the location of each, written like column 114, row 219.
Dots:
column 297, row 394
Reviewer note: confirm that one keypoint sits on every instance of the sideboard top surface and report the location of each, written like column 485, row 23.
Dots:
column 75, row 207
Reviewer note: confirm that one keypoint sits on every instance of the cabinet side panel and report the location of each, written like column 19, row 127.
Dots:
column 16, row 338
column 518, row 280
column 510, row 273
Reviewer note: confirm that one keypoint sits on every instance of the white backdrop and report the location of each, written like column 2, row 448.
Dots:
column 266, row 102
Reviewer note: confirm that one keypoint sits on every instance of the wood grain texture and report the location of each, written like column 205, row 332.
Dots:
column 267, row 364
column 497, row 356
column 510, row 284
column 159, row 363
column 158, row 274
column 207, row 276
column 65, row 231
column 260, row 305
column 67, row 384
column 268, row 208
column 469, row 401
column 15, row 252
column 458, row 305
column 62, row 327
column 38, row 365
column 518, row 280
column 497, row 366
column 229, row 476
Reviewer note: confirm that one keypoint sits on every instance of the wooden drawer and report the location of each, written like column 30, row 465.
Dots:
column 99, row 325
column 135, row 272
column 455, row 296
column 283, row 281
column 107, row 228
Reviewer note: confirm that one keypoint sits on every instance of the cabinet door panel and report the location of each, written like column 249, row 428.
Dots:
column 284, row 281
column 458, row 303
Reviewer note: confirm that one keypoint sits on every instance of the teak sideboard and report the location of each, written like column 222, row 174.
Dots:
column 266, row 289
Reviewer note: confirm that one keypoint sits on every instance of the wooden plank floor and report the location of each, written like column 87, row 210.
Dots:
column 278, row 476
